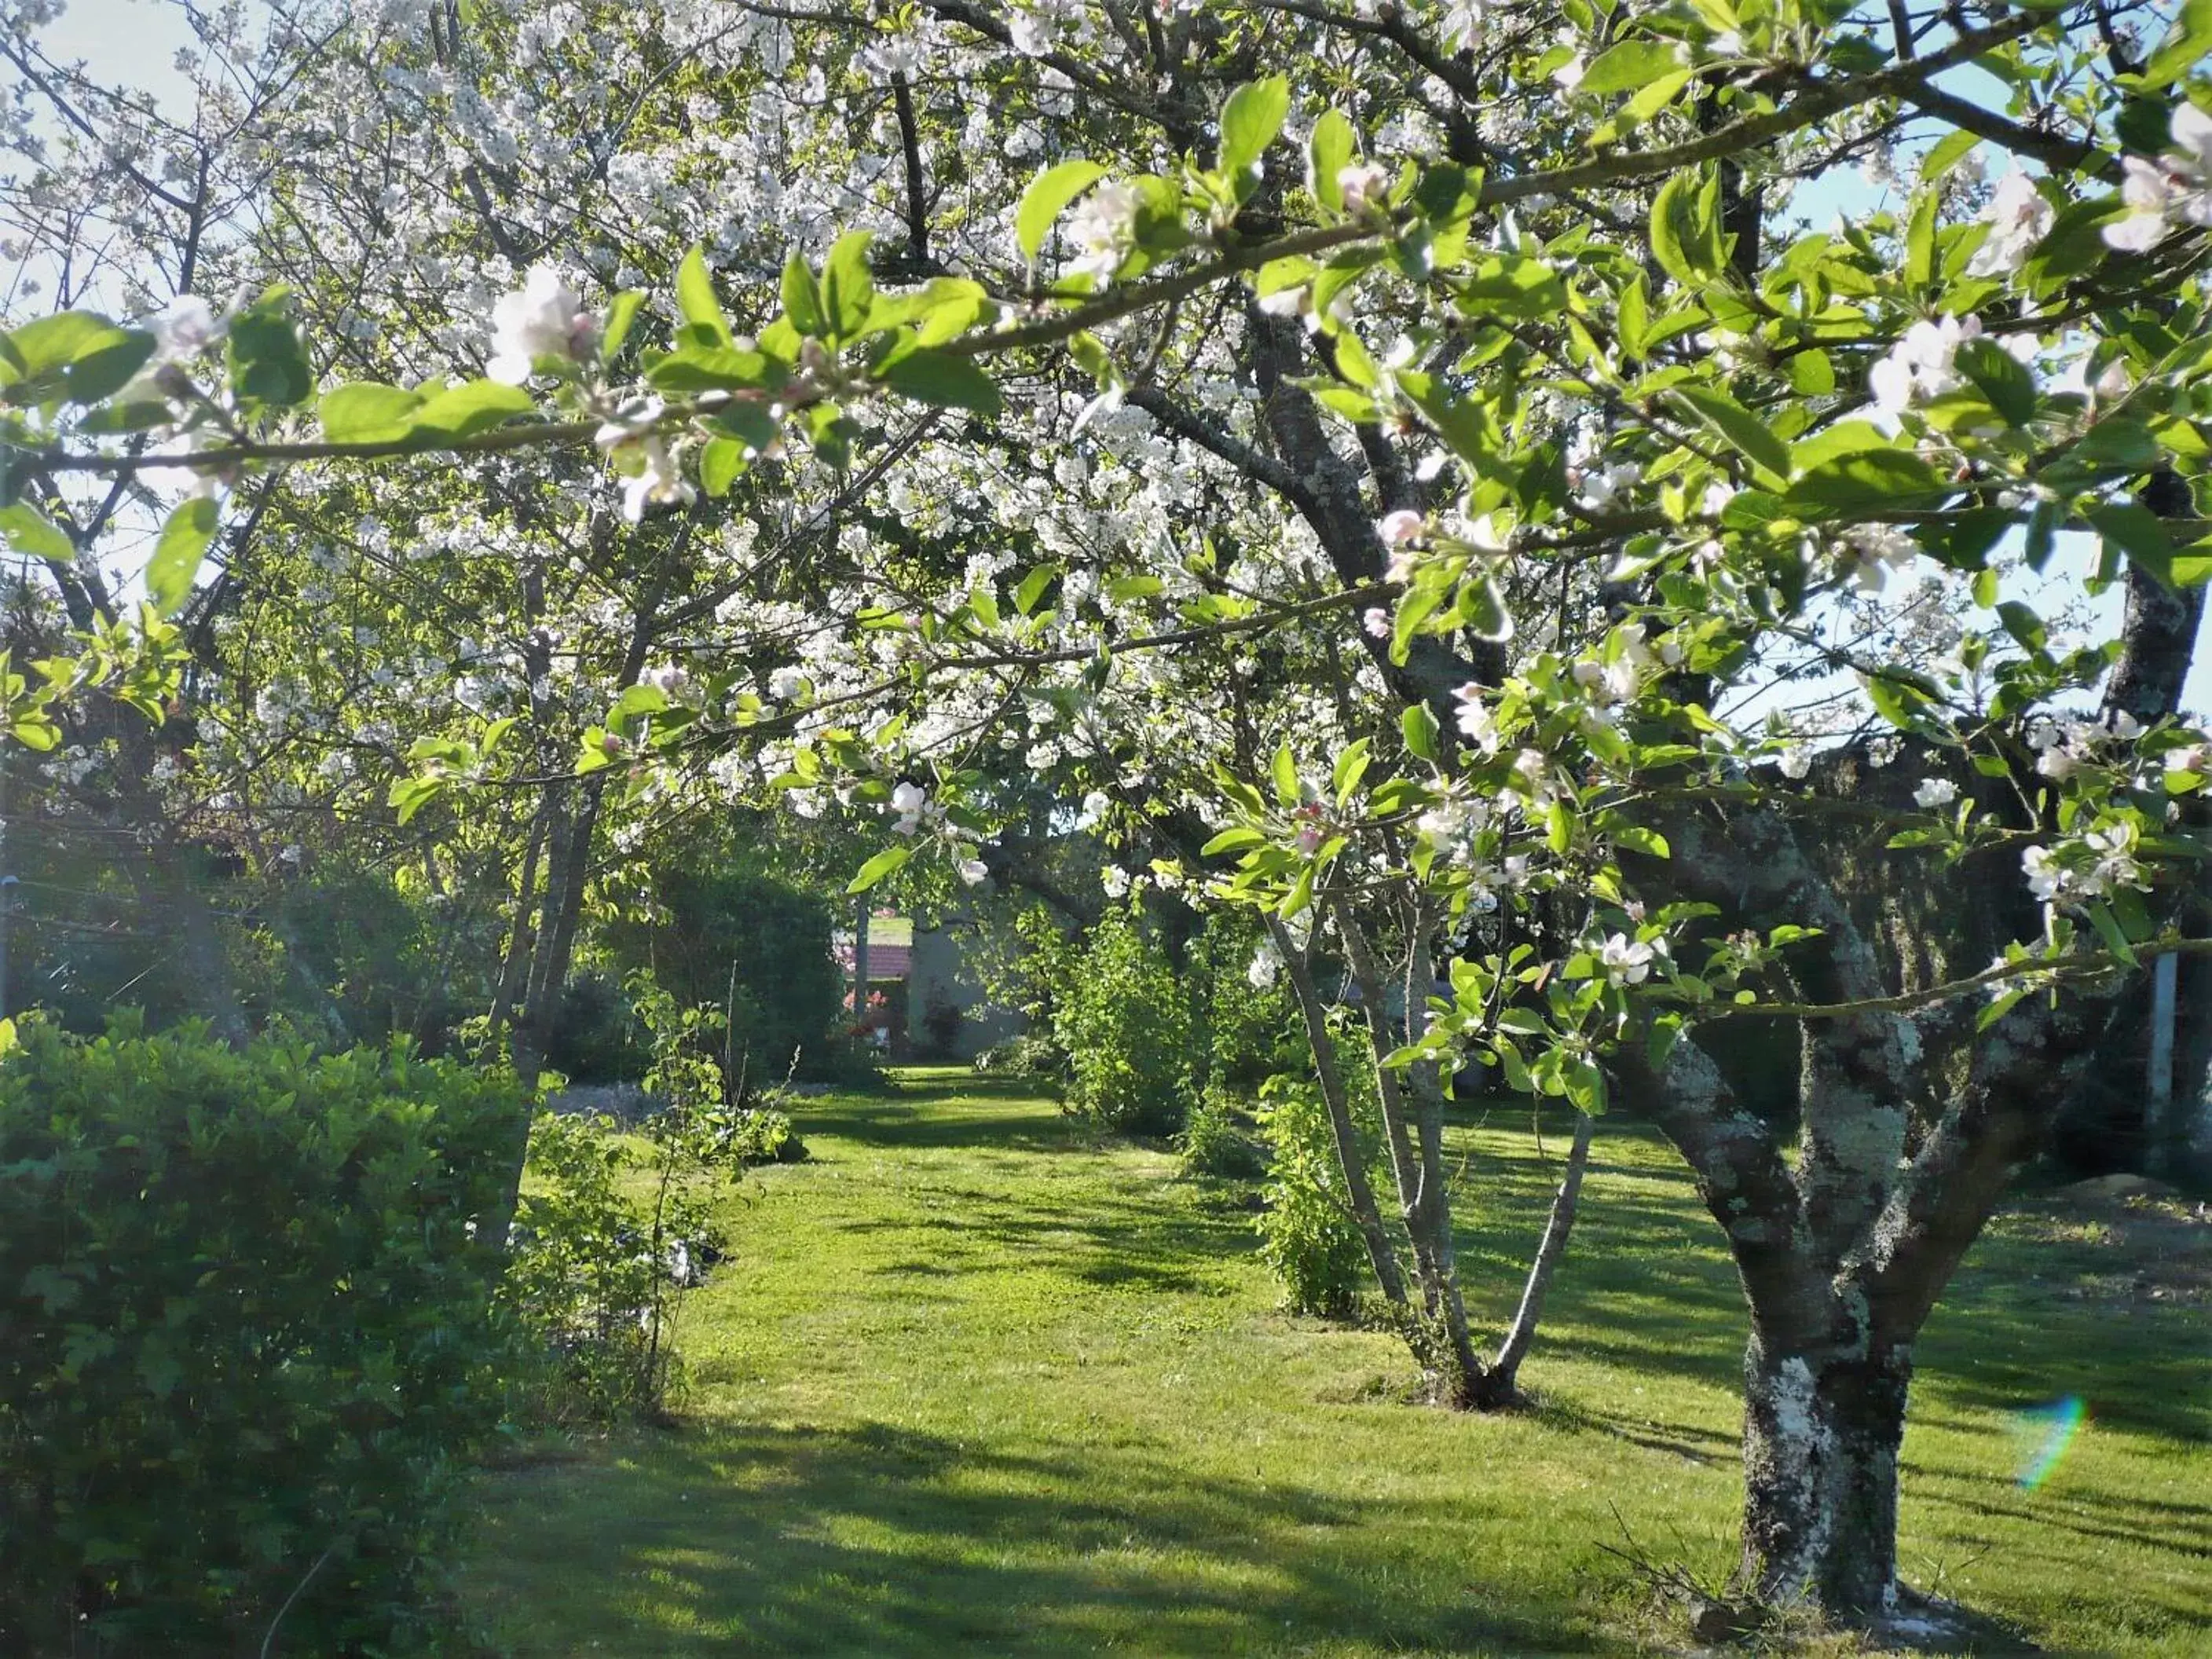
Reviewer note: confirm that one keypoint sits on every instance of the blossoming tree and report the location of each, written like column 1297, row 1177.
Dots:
column 1415, row 459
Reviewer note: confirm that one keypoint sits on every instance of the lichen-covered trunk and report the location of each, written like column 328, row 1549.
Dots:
column 1821, row 1438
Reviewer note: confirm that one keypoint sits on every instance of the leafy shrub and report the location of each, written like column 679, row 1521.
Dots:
column 1307, row 1236
column 245, row 1338
column 942, row 1022
column 1214, row 1143
column 1249, row 1030
column 593, row 1282
column 1124, row 1023
column 613, row 1228
column 724, row 935
column 1031, row 1055
column 763, row 1135
column 595, row 1037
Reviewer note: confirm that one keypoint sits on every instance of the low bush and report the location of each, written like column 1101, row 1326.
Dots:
column 1215, row 1144
column 615, row 1223
column 247, row 1337
column 596, row 1277
column 1250, row 1027
column 1124, row 1023
column 1032, row 1055
column 1307, row 1236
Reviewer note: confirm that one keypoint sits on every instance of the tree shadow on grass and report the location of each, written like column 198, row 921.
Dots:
column 1100, row 1239
column 916, row 1126
column 877, row 1540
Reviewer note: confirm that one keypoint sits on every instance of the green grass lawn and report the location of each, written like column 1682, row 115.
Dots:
column 973, row 1382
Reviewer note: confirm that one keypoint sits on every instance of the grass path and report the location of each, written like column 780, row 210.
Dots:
column 972, row 1383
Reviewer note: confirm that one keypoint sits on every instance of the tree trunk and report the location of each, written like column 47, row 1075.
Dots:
column 1503, row 1378
column 1821, row 1438
column 1381, row 1255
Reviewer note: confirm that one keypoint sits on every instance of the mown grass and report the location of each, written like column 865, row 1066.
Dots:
column 974, row 1383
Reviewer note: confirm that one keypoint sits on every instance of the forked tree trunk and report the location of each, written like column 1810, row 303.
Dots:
column 1504, row 1379
column 1820, row 1438
column 1381, row 1257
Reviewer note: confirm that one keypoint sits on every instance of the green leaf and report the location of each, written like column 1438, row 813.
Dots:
column 1048, row 197
column 1748, row 433
column 1031, row 589
column 714, row 369
column 940, row 379
column 1512, row 285
column 1249, row 121
column 1235, row 839
column 1483, row 606
column 1920, row 241
column 1421, row 728
column 2140, row 533
column 77, row 354
column 366, row 412
column 1666, row 236
column 1630, row 65
column 2074, row 243
column 802, row 299
column 2186, row 45
column 1812, row 373
column 463, row 411
column 1637, row 839
column 1945, row 153
column 177, row 555
column 720, row 464
column 1284, row 772
column 33, row 534
column 621, row 313
column 2022, row 621
column 2000, row 377
column 1869, row 478
column 848, row 289
column 411, row 795
column 268, row 362
column 2192, row 565
column 1351, row 766
column 2108, row 929
column 883, row 864
column 694, row 296
column 1656, row 95
column 1328, row 152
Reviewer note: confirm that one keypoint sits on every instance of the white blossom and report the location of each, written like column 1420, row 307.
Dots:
column 1626, row 961
column 2019, row 217
column 1936, row 792
column 911, row 802
column 1401, row 528
column 541, row 319
column 657, row 483
column 1266, row 963
column 1922, row 364
column 2178, row 186
column 1362, row 185
column 1103, row 228
column 1475, row 721
column 184, row 328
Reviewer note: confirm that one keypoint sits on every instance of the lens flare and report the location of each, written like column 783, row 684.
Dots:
column 2044, row 1436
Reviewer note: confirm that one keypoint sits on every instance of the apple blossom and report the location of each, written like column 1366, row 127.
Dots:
column 544, row 317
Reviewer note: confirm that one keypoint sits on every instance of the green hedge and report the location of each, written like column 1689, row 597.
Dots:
column 246, row 1337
